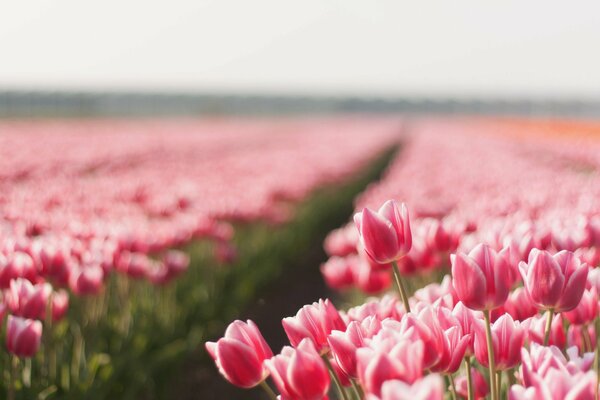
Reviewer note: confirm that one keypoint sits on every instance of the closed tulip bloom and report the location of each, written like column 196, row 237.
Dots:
column 239, row 355
column 507, row 339
column 385, row 234
column 86, row 280
column 481, row 278
column 430, row 387
column 587, row 309
column 315, row 322
column 519, row 305
column 480, row 386
column 426, row 328
column 558, row 385
column 554, row 282
column 299, row 373
column 60, row 305
column 337, row 272
column 535, row 328
column 23, row 336
column 343, row 345
column 401, row 360
column 27, row 300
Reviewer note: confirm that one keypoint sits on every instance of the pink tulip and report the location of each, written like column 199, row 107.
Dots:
column 60, row 305
column 467, row 320
column 480, row 386
column 385, row 234
column 587, row 309
column 344, row 344
column 27, row 300
column 519, row 305
column 554, row 281
column 386, row 307
column 315, row 322
column 23, row 336
column 337, row 272
column 86, row 280
column 399, row 360
column 368, row 279
column 430, row 387
column 582, row 337
column 425, row 327
column 507, row 339
column 481, row 279
column 299, row 373
column 19, row 264
column 535, row 328
column 239, row 355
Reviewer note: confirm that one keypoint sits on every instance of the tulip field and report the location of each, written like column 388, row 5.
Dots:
column 461, row 257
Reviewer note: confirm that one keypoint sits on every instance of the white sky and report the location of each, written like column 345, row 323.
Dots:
column 425, row 48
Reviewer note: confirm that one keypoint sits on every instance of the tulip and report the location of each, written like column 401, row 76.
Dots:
column 299, row 373
column 519, row 305
column 554, row 282
column 587, row 309
column 507, row 340
column 23, row 336
column 343, row 345
column 86, row 280
column 315, row 322
column 385, row 307
column 239, row 355
column 27, row 300
column 481, row 278
column 480, row 386
column 385, row 234
column 60, row 305
column 401, row 360
column 18, row 264
column 337, row 272
column 430, row 387
column 386, row 238
column 535, row 328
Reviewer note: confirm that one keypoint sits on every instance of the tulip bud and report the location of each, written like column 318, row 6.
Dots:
column 481, row 279
column 385, row 234
column 299, row 373
column 23, row 336
column 554, row 281
column 239, row 355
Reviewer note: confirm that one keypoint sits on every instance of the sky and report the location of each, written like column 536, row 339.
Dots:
column 462, row 49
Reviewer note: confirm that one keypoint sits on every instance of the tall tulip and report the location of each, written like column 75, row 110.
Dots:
column 299, row 373
column 23, row 336
column 386, row 237
column 239, row 355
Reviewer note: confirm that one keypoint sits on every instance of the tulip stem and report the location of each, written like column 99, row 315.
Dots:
column 490, row 349
column 400, row 286
column 548, row 326
column 357, row 389
column 338, row 384
column 268, row 389
column 452, row 386
column 587, row 340
column 469, row 379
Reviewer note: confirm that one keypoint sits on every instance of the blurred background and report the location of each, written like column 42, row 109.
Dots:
column 187, row 57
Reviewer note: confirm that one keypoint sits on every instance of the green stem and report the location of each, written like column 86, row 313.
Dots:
column 338, row 384
column 491, row 361
column 587, row 340
column 14, row 365
column 453, row 386
column 268, row 390
column 400, row 286
column 357, row 389
column 469, row 379
column 548, row 326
